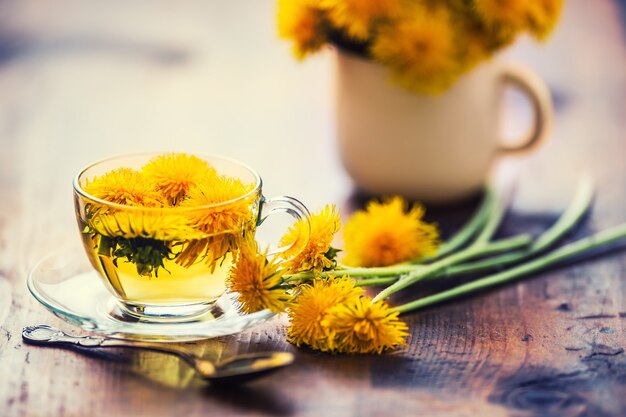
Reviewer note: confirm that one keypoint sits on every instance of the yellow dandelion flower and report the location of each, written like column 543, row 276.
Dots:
column 543, row 17
column 229, row 216
column 302, row 21
column 222, row 225
column 361, row 326
column 358, row 17
column 257, row 281
column 133, row 224
column 211, row 250
column 385, row 234
column 124, row 186
column 475, row 51
column 174, row 174
column 511, row 15
column 310, row 308
column 420, row 50
column 314, row 254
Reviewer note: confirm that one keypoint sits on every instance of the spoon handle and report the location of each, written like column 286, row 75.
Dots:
column 48, row 335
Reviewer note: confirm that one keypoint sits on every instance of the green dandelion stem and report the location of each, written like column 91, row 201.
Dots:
column 474, row 251
column 503, row 245
column 470, row 229
column 483, row 217
column 368, row 282
column 579, row 206
column 567, row 221
column 452, row 266
column 495, row 215
column 561, row 254
column 488, row 216
column 485, row 264
column 383, row 271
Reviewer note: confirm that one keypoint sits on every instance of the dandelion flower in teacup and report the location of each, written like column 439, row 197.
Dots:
column 311, row 307
column 257, row 281
column 175, row 174
column 302, row 21
column 362, row 326
column 229, row 209
column 316, row 254
column 228, row 215
column 387, row 233
column 145, row 238
column 143, row 224
column 124, row 186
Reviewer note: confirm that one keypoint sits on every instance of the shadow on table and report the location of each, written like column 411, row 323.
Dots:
column 593, row 390
column 254, row 398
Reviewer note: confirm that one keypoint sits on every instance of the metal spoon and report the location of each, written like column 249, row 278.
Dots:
column 237, row 369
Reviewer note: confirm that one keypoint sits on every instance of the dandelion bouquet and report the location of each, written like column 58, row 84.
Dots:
column 427, row 44
column 389, row 246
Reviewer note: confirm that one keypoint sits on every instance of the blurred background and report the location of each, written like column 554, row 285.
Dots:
column 81, row 80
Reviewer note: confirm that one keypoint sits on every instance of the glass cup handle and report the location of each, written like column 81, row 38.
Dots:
column 285, row 204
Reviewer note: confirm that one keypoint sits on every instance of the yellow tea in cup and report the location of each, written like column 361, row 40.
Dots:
column 163, row 230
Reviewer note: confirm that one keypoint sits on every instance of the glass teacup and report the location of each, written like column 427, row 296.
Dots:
column 164, row 249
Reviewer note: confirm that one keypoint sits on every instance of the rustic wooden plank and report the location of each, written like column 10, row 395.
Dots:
column 81, row 80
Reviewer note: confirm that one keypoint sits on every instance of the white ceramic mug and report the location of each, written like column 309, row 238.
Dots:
column 434, row 149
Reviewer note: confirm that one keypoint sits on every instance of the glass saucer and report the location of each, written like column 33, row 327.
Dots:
column 67, row 285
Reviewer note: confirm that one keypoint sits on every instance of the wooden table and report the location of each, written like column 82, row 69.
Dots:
column 80, row 80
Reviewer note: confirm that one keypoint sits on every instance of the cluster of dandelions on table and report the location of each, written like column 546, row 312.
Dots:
column 388, row 244
column 327, row 310
column 427, row 44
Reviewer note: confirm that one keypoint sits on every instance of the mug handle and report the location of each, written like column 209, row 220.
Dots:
column 285, row 204
column 536, row 90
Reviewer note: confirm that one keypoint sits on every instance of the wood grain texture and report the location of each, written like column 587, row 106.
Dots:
column 80, row 80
